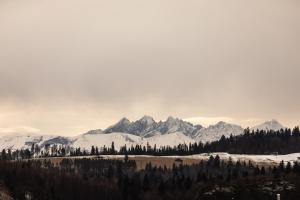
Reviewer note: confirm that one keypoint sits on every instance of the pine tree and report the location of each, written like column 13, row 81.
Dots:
column 112, row 150
column 3, row 155
column 288, row 168
column 93, row 151
column 296, row 131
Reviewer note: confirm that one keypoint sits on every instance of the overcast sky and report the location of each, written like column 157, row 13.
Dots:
column 68, row 66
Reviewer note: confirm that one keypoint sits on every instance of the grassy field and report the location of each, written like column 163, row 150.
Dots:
column 141, row 161
column 168, row 161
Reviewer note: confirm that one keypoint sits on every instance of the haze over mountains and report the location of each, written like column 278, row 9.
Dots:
column 144, row 131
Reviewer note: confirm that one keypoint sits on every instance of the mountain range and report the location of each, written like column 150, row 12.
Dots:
column 146, row 130
column 148, row 127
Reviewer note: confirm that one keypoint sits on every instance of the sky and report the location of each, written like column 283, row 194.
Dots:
column 68, row 66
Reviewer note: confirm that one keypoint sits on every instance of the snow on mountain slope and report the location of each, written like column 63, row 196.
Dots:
column 215, row 132
column 141, row 127
column 269, row 125
column 171, row 139
column 172, row 125
column 147, row 127
column 122, row 126
column 120, row 139
column 24, row 141
column 85, row 141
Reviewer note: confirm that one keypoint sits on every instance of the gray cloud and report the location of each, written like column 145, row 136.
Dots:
column 78, row 65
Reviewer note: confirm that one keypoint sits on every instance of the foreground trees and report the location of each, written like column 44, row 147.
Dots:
column 119, row 179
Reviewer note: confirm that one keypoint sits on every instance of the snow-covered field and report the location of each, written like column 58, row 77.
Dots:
column 271, row 159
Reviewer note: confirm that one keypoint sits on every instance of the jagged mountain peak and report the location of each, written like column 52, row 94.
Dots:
column 124, row 120
column 121, row 126
column 198, row 126
column 221, row 123
column 140, row 127
column 173, row 121
column 147, row 126
column 170, row 119
column 147, row 119
column 216, row 131
column 172, row 125
column 269, row 125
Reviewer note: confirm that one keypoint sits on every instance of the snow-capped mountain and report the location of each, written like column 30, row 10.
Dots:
column 269, row 125
column 25, row 141
column 123, row 126
column 172, row 125
column 146, row 130
column 215, row 132
column 147, row 127
column 85, row 141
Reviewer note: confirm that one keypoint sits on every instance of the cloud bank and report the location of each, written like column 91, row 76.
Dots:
column 67, row 66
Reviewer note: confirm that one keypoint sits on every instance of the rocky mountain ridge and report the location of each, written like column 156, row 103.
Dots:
column 172, row 131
